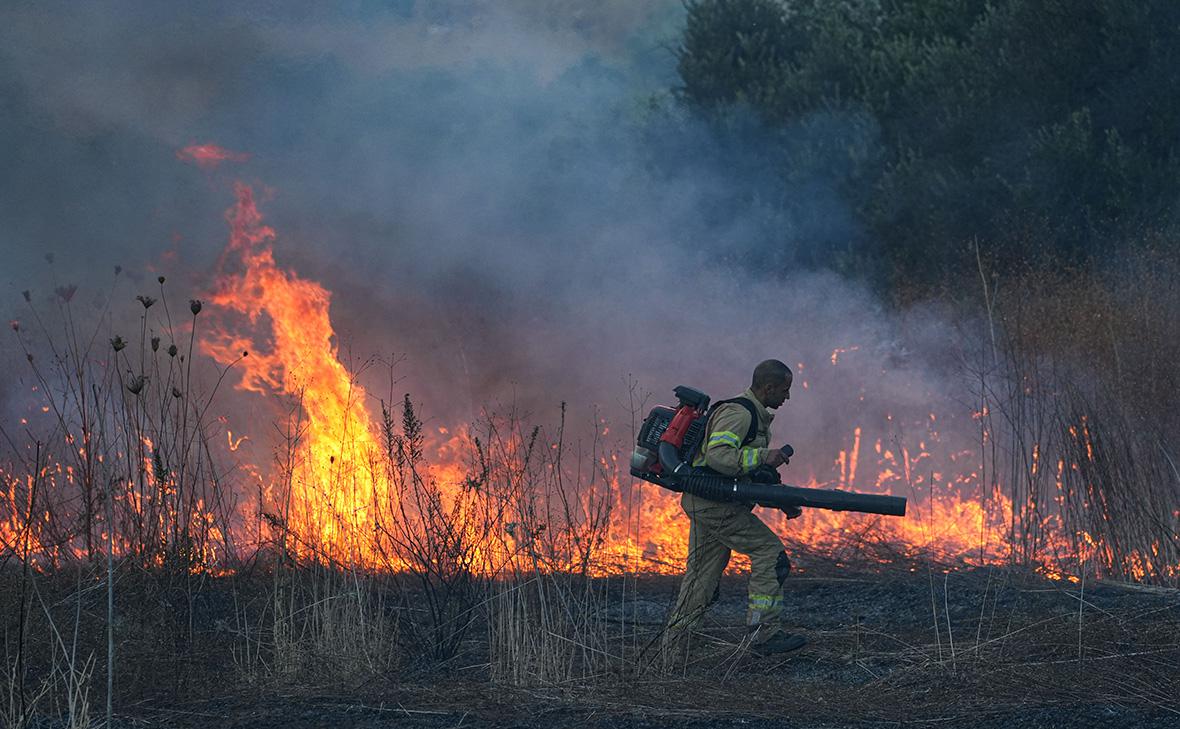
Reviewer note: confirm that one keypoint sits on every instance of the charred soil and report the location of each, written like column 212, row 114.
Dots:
column 905, row 645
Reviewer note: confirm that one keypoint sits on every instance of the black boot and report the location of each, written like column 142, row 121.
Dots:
column 779, row 643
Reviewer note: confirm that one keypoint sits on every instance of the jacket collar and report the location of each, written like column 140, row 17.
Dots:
column 764, row 413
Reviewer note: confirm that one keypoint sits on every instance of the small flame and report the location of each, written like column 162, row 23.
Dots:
column 234, row 443
column 209, row 156
column 842, row 350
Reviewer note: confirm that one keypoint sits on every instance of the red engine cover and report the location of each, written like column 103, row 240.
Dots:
column 678, row 428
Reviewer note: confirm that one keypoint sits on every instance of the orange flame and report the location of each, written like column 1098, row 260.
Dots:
column 331, row 493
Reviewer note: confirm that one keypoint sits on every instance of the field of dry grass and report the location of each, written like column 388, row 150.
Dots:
column 127, row 586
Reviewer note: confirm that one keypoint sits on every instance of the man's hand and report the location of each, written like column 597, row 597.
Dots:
column 776, row 458
column 780, row 456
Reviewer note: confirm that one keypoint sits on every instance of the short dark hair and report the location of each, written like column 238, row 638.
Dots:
column 770, row 372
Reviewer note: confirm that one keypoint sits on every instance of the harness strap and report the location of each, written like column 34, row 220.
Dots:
column 751, row 431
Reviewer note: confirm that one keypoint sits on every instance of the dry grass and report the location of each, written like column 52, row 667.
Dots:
column 1076, row 384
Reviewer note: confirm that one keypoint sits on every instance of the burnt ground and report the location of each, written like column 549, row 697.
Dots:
column 1006, row 651
column 978, row 648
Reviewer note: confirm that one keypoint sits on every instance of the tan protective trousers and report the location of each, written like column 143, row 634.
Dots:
column 716, row 529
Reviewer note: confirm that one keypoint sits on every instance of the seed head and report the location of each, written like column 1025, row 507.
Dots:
column 117, row 343
column 29, row 356
column 49, row 258
column 176, row 392
column 194, row 306
column 155, row 344
column 147, row 301
column 172, row 350
column 66, row 292
column 27, row 295
column 118, row 270
column 136, row 384
column 15, row 325
column 160, row 279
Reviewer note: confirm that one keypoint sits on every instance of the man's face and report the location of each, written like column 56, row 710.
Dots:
column 776, row 395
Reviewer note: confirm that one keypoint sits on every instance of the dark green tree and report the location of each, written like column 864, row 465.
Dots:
column 1043, row 129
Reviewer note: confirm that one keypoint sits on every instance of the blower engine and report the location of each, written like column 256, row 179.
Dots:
column 671, row 437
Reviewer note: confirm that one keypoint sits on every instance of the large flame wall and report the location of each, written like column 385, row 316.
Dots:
column 323, row 469
column 333, row 490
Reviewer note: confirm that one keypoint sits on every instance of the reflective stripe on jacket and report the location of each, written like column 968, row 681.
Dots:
column 723, row 451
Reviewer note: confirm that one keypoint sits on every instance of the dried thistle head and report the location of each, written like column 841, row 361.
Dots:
column 172, row 350
column 194, row 306
column 28, row 296
column 176, row 392
column 135, row 386
column 160, row 279
column 66, row 292
column 15, row 325
column 147, row 301
column 117, row 343
column 155, row 344
column 118, row 270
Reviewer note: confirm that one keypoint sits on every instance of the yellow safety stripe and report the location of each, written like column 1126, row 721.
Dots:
column 765, row 602
column 724, row 436
column 749, row 458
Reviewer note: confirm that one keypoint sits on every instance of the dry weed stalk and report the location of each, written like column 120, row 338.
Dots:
column 125, row 460
column 547, row 614
column 1077, row 393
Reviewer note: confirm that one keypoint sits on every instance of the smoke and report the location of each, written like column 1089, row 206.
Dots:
column 504, row 193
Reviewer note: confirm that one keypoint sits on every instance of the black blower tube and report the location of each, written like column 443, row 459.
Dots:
column 678, row 476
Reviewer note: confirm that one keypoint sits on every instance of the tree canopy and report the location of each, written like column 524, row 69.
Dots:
column 1043, row 129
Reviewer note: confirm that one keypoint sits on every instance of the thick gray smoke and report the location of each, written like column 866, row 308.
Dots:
column 503, row 192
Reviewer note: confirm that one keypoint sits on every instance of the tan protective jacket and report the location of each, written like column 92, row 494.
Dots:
column 722, row 450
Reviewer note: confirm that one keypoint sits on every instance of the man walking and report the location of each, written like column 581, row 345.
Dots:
column 737, row 444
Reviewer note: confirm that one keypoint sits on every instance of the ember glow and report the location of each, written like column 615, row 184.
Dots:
column 209, row 156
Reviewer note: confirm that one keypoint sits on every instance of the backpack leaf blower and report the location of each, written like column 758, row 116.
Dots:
column 670, row 439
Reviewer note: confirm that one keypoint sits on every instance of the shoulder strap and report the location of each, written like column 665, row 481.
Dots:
column 751, row 431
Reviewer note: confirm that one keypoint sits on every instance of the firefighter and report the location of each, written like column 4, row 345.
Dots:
column 737, row 444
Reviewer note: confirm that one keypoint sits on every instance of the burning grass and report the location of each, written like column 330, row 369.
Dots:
column 1063, row 474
